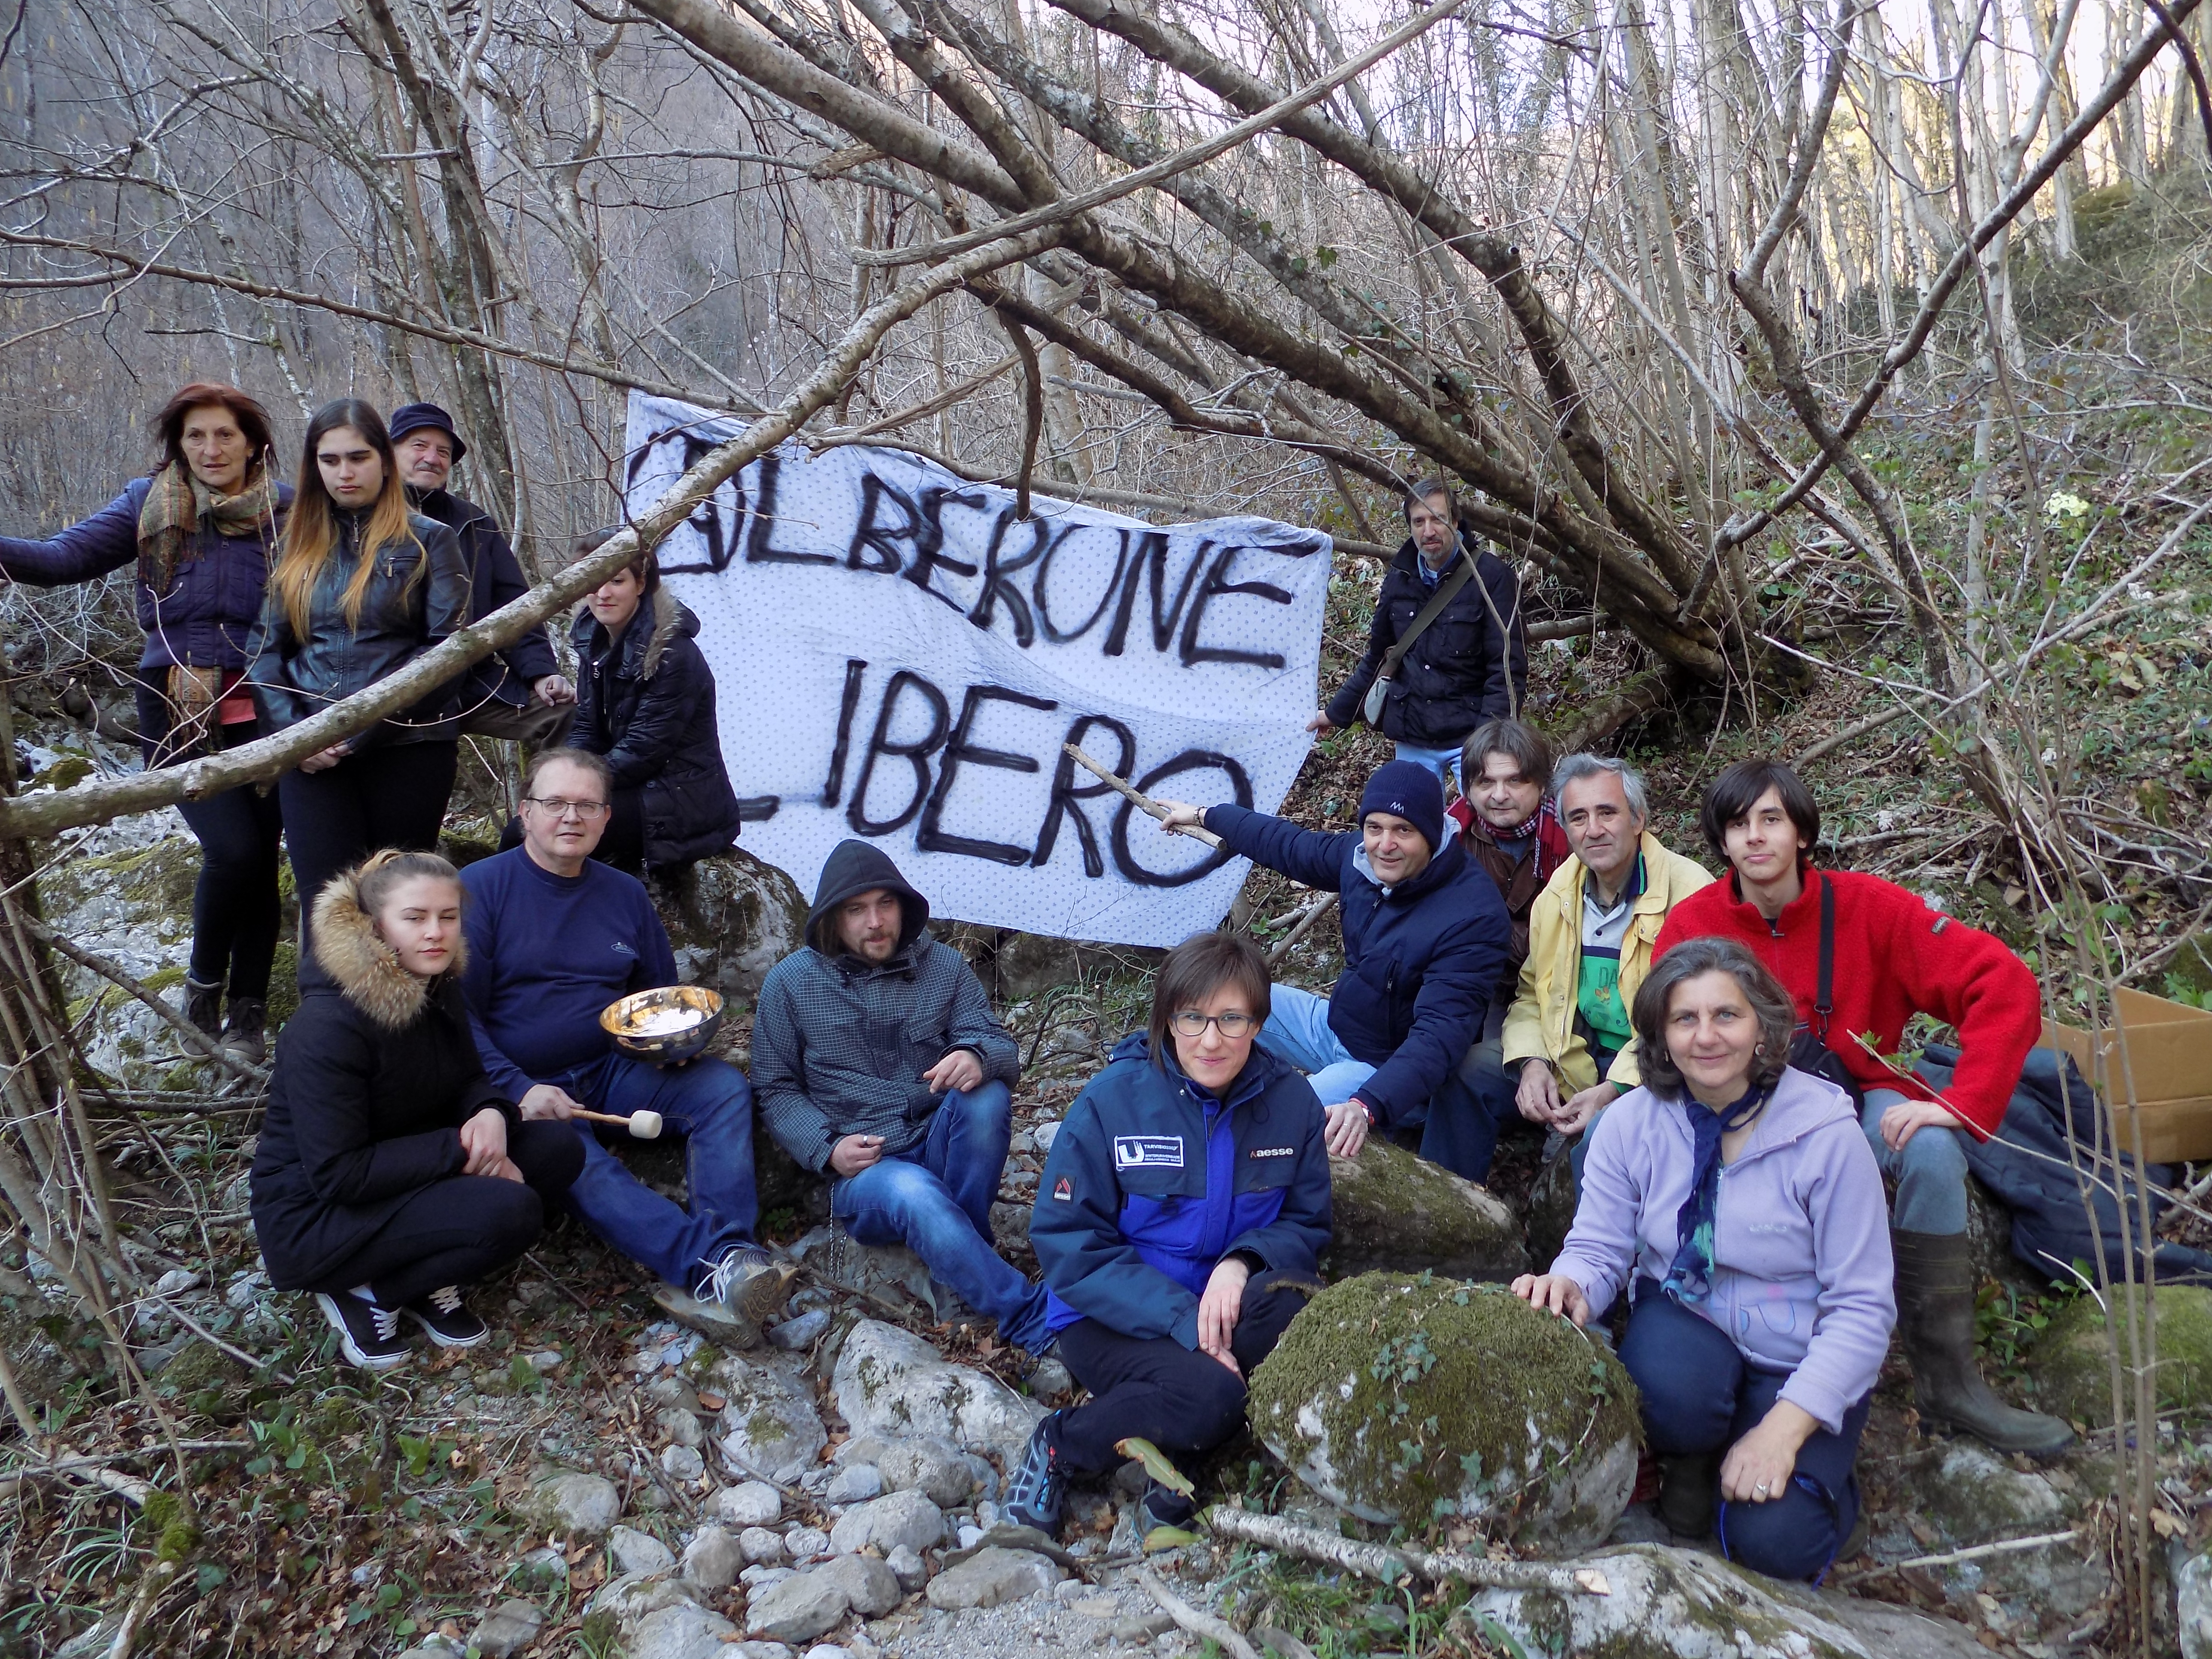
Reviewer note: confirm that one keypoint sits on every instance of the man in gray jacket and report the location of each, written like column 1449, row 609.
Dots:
column 877, row 1060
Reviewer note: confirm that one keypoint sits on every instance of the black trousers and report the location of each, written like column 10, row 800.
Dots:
column 392, row 795
column 236, row 912
column 1180, row 1398
column 466, row 1228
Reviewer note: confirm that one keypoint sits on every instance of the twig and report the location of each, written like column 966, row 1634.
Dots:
column 117, row 975
column 1203, row 1626
column 1314, row 912
column 158, row 1576
column 1121, row 786
column 240, row 1354
column 1391, row 1565
column 2003, row 1547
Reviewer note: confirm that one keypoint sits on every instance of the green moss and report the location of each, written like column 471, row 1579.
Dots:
column 2071, row 1360
column 163, row 1520
column 1398, row 1211
column 1429, row 1397
column 65, row 773
column 283, row 985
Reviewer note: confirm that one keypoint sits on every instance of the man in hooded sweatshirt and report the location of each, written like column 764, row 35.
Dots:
column 878, row 1062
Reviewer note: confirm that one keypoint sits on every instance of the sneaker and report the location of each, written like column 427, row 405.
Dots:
column 245, row 1033
column 446, row 1319
column 747, row 1284
column 203, row 1008
column 367, row 1334
column 1164, row 1517
column 1036, row 1490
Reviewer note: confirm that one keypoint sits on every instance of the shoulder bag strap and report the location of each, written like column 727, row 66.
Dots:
column 1824, row 1000
column 1446, row 591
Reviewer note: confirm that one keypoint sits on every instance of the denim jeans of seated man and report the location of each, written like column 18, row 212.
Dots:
column 935, row 1199
column 1453, row 1129
column 1444, row 762
column 1930, row 1172
column 707, row 1103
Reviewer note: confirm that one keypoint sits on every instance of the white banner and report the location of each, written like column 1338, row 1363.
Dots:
column 898, row 657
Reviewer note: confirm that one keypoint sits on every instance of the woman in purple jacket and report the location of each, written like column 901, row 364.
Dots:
column 201, row 527
column 1740, row 1201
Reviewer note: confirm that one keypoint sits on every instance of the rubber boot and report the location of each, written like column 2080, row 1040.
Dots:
column 203, row 1008
column 1686, row 1485
column 1935, row 1316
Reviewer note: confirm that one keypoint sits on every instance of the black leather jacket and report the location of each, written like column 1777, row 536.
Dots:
column 407, row 609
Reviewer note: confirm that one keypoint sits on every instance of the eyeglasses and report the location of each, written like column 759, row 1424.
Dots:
column 1234, row 1024
column 555, row 806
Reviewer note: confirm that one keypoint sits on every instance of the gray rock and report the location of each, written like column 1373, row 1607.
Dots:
column 732, row 917
column 1668, row 1603
column 1052, row 1382
column 907, row 1567
column 757, row 1651
column 760, row 1577
column 671, row 1392
column 890, row 1381
column 1044, row 1135
column 861, row 1449
column 754, row 1504
column 993, row 1577
column 1391, row 1210
column 679, row 1426
column 682, row 1463
column 630, row 1597
column 759, row 1544
column 798, row 1608
column 804, row 1543
column 772, row 1431
column 712, row 1559
column 571, row 1504
column 798, row 1335
column 829, row 1650
column 969, row 1537
column 639, row 1554
column 930, row 1465
column 856, row 1483
column 683, row 1632
column 1974, row 1497
column 904, row 1517
column 1142, row 1628
column 508, row 1628
column 871, row 1587
column 2192, row 1599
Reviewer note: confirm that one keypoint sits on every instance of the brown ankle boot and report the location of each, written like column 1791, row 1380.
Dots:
column 1935, row 1317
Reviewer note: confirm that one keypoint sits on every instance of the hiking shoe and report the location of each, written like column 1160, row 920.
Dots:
column 1036, row 1490
column 367, row 1334
column 446, row 1319
column 1165, row 1518
column 246, row 1033
column 203, row 1008
column 747, row 1284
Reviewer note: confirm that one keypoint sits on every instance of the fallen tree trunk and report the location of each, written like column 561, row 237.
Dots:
column 1394, row 1564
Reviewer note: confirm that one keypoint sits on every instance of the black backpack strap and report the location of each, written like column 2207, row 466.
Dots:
column 1824, row 1000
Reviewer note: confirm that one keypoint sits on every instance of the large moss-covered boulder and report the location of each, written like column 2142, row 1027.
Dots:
column 1405, row 1399
column 1398, row 1212
column 2072, row 1359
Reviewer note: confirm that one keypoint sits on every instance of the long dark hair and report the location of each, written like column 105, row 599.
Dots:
column 252, row 420
column 1770, row 1005
column 312, row 533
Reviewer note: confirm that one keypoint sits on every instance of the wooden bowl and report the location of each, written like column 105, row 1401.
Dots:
column 623, row 1020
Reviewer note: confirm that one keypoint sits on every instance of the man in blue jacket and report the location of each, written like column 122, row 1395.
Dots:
column 879, row 1063
column 1426, row 938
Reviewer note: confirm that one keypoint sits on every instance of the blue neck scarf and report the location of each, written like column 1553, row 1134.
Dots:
column 1690, row 1278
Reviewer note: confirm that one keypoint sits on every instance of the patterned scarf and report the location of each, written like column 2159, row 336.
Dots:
column 176, row 503
column 1690, row 1278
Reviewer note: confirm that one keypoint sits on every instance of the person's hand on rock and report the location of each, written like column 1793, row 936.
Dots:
column 1346, row 1130
column 1554, row 1293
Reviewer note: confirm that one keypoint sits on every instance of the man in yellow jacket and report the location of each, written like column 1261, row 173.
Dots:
column 1591, row 934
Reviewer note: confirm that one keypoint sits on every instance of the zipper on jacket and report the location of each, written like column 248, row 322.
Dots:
column 1220, row 1180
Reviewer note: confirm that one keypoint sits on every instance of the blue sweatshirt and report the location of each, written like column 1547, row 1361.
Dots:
column 1152, row 1181
column 546, row 954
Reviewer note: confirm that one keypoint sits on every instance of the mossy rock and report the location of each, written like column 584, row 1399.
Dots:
column 2071, row 1361
column 1407, row 1400
column 1395, row 1212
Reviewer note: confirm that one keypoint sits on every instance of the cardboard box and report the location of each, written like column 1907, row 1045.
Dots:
column 2168, row 1061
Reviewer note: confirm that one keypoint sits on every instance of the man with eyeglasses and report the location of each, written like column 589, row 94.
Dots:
column 1424, row 941
column 554, row 937
column 880, row 1065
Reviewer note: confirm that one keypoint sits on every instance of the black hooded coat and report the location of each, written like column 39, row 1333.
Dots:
column 840, row 1044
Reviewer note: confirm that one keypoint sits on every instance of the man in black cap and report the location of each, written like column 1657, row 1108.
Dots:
column 518, row 692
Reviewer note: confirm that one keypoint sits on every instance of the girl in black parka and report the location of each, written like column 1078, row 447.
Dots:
column 390, row 1173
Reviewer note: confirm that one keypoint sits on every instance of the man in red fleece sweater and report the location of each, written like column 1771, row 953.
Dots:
column 1893, row 957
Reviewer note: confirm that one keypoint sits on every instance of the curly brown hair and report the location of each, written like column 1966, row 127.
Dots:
column 1770, row 1005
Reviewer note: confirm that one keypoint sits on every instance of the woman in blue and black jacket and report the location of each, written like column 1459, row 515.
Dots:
column 1178, row 1222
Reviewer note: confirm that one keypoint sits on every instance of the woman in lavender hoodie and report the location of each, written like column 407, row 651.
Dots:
column 1737, row 1201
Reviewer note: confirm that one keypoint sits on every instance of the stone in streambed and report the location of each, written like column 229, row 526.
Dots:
column 993, row 1577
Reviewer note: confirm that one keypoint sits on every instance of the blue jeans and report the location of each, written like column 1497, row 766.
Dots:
column 1701, row 1396
column 1930, row 1173
column 935, row 1199
column 1297, row 1030
column 1444, row 762
column 710, row 1105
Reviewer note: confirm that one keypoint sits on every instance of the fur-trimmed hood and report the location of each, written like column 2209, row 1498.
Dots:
column 641, row 647
column 367, row 969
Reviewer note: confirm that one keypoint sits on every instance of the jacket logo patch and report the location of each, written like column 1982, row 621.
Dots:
column 1148, row 1152
column 1064, row 1191
column 622, row 949
column 1273, row 1151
